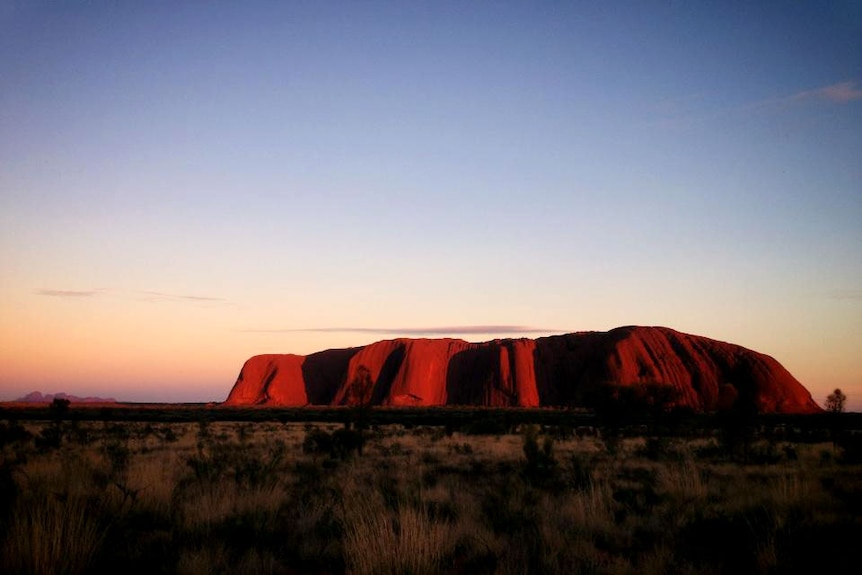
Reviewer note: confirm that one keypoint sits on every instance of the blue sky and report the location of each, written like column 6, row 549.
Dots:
column 185, row 185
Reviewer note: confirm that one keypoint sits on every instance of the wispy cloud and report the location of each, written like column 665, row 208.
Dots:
column 412, row 331
column 848, row 294
column 68, row 292
column 162, row 296
column 840, row 93
column 691, row 110
column 145, row 295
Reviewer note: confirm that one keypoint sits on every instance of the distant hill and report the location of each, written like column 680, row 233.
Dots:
column 37, row 397
column 562, row 370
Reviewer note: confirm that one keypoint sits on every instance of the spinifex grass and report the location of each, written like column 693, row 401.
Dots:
column 52, row 533
column 248, row 498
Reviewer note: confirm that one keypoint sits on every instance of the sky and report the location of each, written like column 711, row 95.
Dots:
column 184, row 184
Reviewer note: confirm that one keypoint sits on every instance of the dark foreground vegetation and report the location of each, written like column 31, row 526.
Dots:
column 475, row 492
column 453, row 417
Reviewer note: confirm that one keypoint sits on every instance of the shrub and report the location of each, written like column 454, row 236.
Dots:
column 790, row 452
column 118, row 455
column 317, row 442
column 487, row 426
column 340, row 444
column 764, row 453
column 50, row 437
column 461, row 448
column 347, row 441
column 13, row 432
column 656, row 448
column 850, row 446
column 540, row 462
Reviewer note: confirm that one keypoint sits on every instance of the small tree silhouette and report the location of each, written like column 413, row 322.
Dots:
column 835, row 405
column 835, row 402
column 738, row 421
column 360, row 389
column 359, row 394
column 52, row 436
column 59, row 407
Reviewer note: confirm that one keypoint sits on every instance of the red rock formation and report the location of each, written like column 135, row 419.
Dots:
column 273, row 378
column 559, row 370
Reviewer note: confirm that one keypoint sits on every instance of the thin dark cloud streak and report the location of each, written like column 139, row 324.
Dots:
column 68, row 293
column 846, row 294
column 414, row 331
column 145, row 295
column 162, row 296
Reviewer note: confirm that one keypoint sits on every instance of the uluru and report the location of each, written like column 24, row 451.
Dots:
column 555, row 371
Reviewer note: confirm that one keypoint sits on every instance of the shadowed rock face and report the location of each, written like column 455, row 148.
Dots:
column 561, row 370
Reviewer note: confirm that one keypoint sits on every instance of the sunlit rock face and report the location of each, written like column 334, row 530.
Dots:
column 561, row 370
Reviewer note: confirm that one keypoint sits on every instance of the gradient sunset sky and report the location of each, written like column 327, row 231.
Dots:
column 186, row 184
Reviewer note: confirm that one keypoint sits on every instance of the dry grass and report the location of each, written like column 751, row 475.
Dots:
column 52, row 533
column 380, row 540
column 244, row 498
column 683, row 481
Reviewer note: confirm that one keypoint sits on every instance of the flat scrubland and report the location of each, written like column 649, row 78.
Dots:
column 272, row 497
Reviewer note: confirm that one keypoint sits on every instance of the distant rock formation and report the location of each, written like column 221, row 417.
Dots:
column 561, row 370
column 37, row 397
